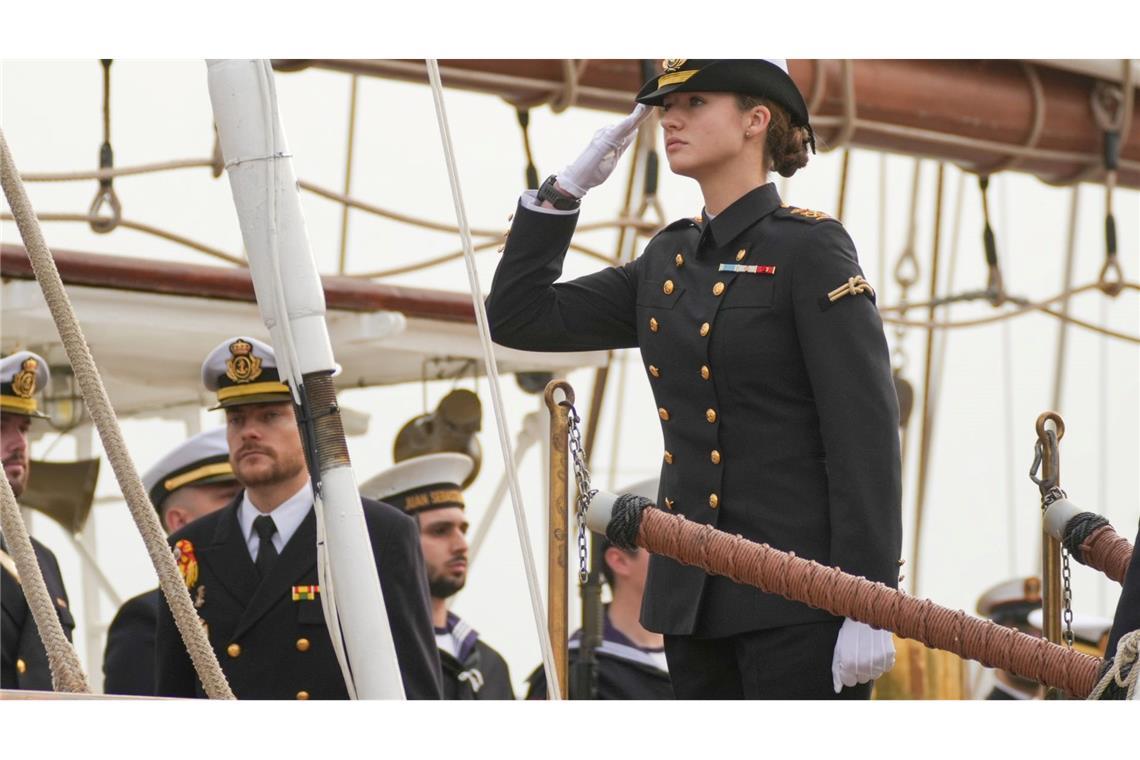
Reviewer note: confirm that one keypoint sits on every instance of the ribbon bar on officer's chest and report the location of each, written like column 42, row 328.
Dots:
column 749, row 268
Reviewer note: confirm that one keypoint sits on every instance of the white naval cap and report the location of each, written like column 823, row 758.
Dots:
column 1010, row 601
column 243, row 371
column 201, row 459
column 422, row 483
column 1089, row 631
column 22, row 375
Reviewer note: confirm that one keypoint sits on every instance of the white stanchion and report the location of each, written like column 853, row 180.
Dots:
column 292, row 305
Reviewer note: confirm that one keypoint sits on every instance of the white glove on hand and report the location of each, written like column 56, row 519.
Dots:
column 597, row 162
column 862, row 654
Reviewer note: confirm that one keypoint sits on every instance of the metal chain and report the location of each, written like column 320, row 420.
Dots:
column 585, row 493
column 1068, row 597
column 1051, row 492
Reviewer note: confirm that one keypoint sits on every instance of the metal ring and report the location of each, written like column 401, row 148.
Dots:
column 1045, row 417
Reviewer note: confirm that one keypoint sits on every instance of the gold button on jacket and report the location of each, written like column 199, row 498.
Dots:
column 663, row 413
column 302, row 695
column 302, row 645
column 668, row 287
column 234, row 650
column 705, row 327
column 710, row 415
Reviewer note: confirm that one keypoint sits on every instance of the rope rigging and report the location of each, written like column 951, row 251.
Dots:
column 99, row 407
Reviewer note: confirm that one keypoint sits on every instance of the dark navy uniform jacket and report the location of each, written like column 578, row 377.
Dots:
column 777, row 407
column 128, row 659
column 624, row 670
column 23, row 659
column 271, row 646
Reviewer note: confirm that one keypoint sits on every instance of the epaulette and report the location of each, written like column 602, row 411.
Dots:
column 682, row 223
column 803, row 214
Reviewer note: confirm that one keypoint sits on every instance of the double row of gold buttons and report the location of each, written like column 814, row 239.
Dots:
column 710, row 414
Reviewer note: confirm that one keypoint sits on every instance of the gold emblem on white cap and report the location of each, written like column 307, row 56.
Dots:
column 244, row 367
column 24, row 383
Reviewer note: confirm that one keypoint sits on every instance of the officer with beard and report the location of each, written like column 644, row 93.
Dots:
column 427, row 487
column 23, row 659
column 251, row 567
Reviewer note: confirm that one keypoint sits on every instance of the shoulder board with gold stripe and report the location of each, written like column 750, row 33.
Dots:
column 804, row 214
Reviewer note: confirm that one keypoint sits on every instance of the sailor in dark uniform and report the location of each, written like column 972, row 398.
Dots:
column 428, row 488
column 626, row 669
column 23, row 659
column 191, row 481
column 769, row 367
column 1009, row 603
column 251, row 567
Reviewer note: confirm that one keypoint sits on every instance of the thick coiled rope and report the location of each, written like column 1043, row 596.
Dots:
column 845, row 595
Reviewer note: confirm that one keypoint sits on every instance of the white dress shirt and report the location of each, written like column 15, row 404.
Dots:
column 288, row 516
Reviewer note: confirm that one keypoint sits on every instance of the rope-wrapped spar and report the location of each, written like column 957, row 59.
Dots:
column 627, row 522
column 1090, row 539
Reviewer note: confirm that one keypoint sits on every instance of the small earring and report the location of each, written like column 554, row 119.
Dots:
column 748, row 134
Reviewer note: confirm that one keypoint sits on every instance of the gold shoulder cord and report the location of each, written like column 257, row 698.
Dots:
column 854, row 286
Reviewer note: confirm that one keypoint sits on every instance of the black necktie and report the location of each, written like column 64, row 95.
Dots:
column 266, row 551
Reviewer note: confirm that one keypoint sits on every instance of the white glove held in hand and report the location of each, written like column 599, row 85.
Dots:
column 862, row 654
column 597, row 162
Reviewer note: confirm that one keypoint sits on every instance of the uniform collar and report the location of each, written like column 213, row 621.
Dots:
column 463, row 634
column 287, row 516
column 744, row 212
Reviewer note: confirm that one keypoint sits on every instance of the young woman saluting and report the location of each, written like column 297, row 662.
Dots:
column 778, row 413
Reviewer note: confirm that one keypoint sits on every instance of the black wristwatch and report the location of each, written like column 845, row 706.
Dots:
column 557, row 198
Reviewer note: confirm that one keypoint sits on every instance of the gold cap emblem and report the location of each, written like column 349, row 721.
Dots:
column 672, row 64
column 244, row 367
column 24, row 383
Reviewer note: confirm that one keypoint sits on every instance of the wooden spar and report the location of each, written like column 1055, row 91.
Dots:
column 233, row 283
column 558, row 552
column 929, row 108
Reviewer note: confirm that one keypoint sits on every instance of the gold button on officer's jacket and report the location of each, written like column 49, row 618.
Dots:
column 663, row 413
column 233, row 650
column 705, row 329
column 679, row 260
column 668, row 503
column 654, row 371
column 302, row 695
column 705, row 374
column 652, row 324
column 710, row 415
column 718, row 288
column 302, row 645
column 714, row 455
column 21, row 666
column 713, row 500
column 668, row 287
column 741, row 254
column 668, row 457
